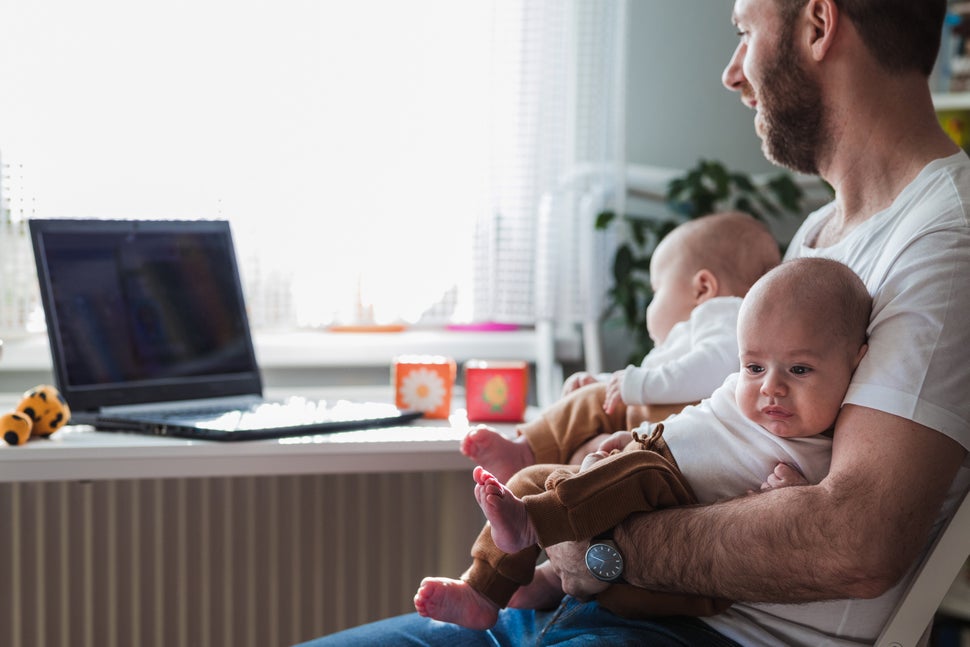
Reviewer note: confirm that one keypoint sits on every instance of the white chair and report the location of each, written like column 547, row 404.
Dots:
column 574, row 260
column 912, row 620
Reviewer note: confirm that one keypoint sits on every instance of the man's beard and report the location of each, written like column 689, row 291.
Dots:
column 791, row 109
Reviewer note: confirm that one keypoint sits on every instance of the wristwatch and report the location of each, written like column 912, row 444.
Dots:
column 604, row 561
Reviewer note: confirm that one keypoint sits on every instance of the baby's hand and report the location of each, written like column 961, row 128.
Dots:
column 616, row 440
column 577, row 381
column 784, row 475
column 591, row 459
column 613, row 390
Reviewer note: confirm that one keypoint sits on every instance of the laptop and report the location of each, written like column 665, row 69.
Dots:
column 148, row 333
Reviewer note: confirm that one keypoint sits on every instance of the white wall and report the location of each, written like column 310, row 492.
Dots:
column 677, row 109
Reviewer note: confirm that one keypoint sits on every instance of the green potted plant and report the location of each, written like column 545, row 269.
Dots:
column 706, row 188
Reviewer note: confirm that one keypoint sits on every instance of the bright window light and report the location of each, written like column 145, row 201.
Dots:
column 380, row 161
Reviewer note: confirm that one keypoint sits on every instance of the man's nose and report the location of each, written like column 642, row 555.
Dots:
column 733, row 75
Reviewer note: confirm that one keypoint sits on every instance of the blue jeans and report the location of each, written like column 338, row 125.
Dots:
column 573, row 624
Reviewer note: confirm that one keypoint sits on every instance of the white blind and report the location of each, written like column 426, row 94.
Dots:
column 379, row 160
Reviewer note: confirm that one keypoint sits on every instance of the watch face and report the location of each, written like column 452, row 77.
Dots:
column 604, row 562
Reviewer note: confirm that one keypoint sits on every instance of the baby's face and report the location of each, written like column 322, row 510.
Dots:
column 794, row 375
column 673, row 299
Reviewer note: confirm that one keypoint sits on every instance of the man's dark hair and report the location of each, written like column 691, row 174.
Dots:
column 903, row 35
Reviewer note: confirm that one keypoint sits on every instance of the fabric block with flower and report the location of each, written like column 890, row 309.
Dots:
column 496, row 391
column 424, row 383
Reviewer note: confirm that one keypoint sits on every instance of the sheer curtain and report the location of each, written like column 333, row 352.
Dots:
column 380, row 161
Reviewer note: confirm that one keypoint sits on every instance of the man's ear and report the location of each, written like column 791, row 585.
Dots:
column 822, row 18
column 704, row 286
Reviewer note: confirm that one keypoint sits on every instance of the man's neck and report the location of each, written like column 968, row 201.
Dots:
column 878, row 151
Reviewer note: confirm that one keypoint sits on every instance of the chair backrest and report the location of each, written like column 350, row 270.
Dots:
column 908, row 625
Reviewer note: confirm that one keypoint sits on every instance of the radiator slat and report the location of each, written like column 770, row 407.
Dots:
column 248, row 562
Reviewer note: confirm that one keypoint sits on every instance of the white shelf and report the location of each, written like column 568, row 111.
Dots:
column 952, row 101
column 308, row 349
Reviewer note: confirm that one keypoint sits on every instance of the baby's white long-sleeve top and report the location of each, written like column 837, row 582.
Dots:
column 693, row 361
column 722, row 454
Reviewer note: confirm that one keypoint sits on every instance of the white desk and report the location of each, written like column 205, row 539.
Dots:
column 168, row 541
column 81, row 453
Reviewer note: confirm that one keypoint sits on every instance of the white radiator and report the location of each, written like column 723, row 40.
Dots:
column 247, row 562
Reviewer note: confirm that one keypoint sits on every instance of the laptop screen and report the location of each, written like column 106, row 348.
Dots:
column 143, row 311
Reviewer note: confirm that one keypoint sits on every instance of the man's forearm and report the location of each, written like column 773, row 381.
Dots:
column 853, row 535
column 731, row 550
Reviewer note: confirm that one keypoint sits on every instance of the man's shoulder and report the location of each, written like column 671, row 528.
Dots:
column 943, row 182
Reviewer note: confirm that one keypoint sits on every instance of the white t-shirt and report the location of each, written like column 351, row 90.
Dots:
column 915, row 259
column 694, row 359
column 722, row 454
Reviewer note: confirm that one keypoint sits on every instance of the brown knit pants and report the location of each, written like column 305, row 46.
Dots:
column 576, row 419
column 567, row 505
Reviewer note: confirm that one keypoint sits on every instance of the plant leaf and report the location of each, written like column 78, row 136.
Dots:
column 622, row 263
column 604, row 218
column 742, row 182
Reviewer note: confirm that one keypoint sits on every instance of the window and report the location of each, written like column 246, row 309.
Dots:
column 380, row 161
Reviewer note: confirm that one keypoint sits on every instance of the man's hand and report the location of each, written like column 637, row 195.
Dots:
column 577, row 381
column 613, row 391
column 544, row 592
column 569, row 561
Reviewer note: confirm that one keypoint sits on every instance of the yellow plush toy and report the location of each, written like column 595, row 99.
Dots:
column 41, row 412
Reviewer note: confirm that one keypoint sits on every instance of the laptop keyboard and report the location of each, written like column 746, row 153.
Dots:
column 295, row 412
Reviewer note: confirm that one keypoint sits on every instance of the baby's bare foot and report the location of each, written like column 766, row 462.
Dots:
column 455, row 601
column 511, row 528
column 784, row 475
column 542, row 593
column 501, row 456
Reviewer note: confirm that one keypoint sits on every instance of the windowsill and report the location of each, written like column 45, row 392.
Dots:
column 323, row 349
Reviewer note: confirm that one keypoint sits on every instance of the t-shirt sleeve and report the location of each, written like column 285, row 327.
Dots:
column 918, row 364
